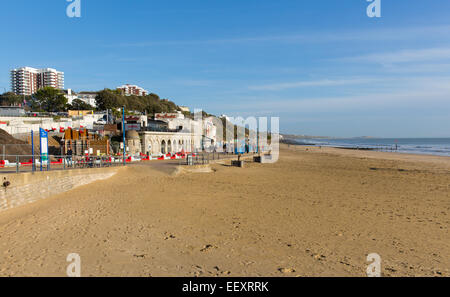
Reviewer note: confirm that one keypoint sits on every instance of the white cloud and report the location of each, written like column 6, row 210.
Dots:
column 404, row 56
column 405, row 33
column 418, row 68
column 196, row 82
column 316, row 83
column 424, row 93
column 361, row 103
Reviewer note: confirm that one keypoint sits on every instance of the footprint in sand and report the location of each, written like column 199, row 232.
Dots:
column 319, row 257
column 207, row 248
column 286, row 270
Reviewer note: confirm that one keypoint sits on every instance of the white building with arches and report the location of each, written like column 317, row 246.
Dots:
column 155, row 143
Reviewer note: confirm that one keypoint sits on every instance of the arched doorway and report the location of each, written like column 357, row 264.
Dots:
column 155, row 147
column 163, row 147
column 169, row 146
column 174, row 146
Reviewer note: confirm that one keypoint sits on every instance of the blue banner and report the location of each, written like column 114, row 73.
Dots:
column 43, row 141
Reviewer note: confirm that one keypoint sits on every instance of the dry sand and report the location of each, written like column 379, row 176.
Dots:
column 317, row 212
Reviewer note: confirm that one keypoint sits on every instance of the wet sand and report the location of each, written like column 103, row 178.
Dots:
column 316, row 212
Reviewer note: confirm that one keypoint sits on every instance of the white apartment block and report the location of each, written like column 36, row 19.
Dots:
column 129, row 90
column 27, row 80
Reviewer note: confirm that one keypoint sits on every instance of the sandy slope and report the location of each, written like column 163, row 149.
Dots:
column 314, row 213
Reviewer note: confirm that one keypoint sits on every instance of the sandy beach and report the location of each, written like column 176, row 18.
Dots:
column 316, row 212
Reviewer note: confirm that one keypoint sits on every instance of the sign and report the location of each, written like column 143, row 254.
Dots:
column 110, row 127
column 132, row 119
column 129, row 127
column 166, row 116
column 43, row 141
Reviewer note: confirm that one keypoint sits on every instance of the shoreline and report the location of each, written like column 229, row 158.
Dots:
column 444, row 161
column 366, row 147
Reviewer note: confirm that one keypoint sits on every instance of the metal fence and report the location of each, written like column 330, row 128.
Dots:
column 32, row 163
column 24, row 150
column 206, row 158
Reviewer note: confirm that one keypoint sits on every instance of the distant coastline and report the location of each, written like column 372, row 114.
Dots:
column 421, row 146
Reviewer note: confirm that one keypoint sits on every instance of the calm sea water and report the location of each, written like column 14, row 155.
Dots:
column 428, row 146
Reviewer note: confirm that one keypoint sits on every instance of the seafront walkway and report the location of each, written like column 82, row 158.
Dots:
column 24, row 163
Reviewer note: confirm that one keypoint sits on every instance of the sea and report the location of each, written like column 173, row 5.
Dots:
column 424, row 146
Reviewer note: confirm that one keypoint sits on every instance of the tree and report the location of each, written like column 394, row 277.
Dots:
column 107, row 99
column 11, row 99
column 50, row 99
column 112, row 99
column 78, row 104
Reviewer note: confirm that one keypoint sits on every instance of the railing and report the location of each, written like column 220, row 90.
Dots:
column 30, row 163
column 33, row 163
column 204, row 158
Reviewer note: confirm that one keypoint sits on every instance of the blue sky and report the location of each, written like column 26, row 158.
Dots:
column 322, row 66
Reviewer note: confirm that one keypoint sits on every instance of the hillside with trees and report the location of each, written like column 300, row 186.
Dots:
column 53, row 100
column 112, row 99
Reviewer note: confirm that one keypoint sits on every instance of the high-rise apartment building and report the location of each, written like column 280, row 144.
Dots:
column 27, row 80
column 24, row 81
column 49, row 77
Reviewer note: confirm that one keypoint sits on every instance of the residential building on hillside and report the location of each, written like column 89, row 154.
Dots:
column 184, row 109
column 86, row 97
column 27, row 80
column 70, row 95
column 129, row 90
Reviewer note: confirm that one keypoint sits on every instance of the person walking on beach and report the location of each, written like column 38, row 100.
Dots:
column 69, row 156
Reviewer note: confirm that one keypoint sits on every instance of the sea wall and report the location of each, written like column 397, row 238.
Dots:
column 29, row 187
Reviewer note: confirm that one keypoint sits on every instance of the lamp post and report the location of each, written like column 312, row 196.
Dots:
column 123, row 132
column 32, row 152
column 257, row 141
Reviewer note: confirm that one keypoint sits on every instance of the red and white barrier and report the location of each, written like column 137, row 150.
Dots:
column 86, row 159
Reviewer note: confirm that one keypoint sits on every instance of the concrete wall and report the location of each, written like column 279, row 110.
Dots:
column 28, row 187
